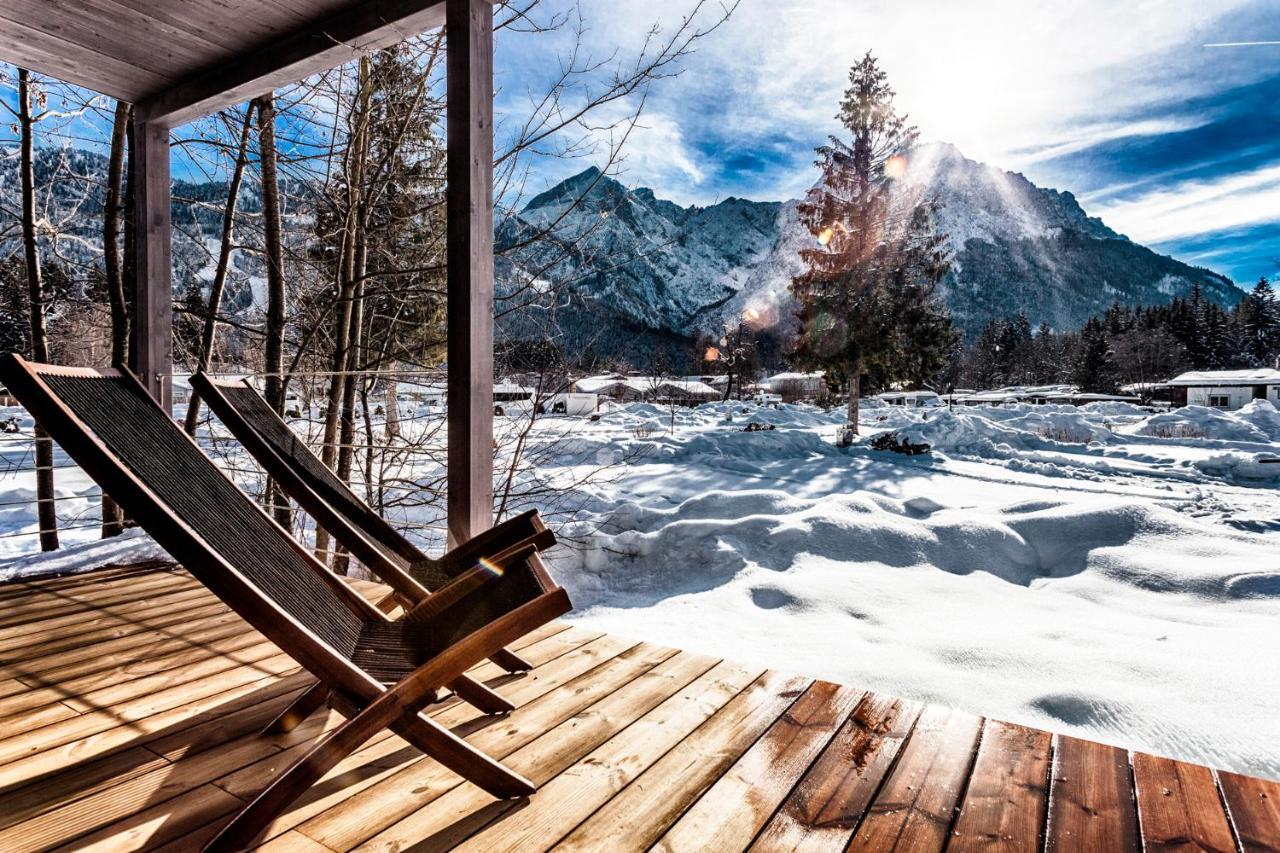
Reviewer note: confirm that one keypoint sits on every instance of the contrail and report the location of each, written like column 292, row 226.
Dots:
column 1242, row 43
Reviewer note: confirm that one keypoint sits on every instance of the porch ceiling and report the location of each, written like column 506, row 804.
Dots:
column 176, row 60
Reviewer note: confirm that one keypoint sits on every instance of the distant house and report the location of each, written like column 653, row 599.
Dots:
column 1228, row 389
column 660, row 389
column 910, row 399
column 795, row 386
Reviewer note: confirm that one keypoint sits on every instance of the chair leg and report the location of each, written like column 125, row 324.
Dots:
column 472, row 691
column 299, row 709
column 491, row 776
column 388, row 711
column 510, row 661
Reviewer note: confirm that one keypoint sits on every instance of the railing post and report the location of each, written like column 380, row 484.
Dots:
column 152, row 307
column 469, row 205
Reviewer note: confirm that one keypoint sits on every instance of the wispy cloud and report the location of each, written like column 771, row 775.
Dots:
column 1191, row 208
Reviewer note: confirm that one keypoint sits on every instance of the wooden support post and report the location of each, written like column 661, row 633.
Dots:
column 469, row 205
column 152, row 306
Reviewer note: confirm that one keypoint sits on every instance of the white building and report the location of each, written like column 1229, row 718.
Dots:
column 1229, row 389
column 910, row 399
column 796, row 386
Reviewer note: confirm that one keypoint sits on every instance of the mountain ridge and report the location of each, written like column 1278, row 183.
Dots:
column 648, row 266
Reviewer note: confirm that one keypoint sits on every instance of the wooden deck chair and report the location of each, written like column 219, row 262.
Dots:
column 335, row 507
column 377, row 672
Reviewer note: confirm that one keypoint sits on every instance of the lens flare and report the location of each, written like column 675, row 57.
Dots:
column 751, row 315
column 493, row 569
column 895, row 167
column 825, row 235
column 712, row 354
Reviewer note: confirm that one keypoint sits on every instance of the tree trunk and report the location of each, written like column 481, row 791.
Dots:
column 855, row 391
column 357, row 151
column 112, row 516
column 45, row 509
column 208, row 333
column 274, row 250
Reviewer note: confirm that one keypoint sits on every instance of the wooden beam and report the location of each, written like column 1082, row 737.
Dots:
column 469, row 206
column 316, row 47
column 152, row 307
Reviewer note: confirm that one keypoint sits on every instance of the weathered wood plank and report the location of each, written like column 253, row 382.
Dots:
column 163, row 822
column 635, row 818
column 735, row 808
column 573, row 795
column 1179, row 807
column 1091, row 804
column 1254, row 808
column 76, row 782
column 371, row 811
column 448, row 819
column 1005, row 805
column 826, row 807
column 914, row 809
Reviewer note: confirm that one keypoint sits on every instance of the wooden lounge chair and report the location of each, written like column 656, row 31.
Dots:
column 335, row 507
column 377, row 672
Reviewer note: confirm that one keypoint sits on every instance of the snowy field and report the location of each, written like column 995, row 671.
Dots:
column 1096, row 570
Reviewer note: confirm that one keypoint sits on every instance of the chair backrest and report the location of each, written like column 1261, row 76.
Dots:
column 252, row 421
column 107, row 423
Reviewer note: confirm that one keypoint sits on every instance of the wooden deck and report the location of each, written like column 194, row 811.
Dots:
column 131, row 699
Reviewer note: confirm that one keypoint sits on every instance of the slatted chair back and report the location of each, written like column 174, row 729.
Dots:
column 285, row 456
column 107, row 422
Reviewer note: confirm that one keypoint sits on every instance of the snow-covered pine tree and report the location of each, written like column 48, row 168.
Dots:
column 867, row 305
column 1094, row 366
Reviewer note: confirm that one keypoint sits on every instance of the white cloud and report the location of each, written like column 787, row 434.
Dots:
column 1190, row 208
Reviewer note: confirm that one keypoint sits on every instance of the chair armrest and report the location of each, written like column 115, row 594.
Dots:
column 523, row 529
column 464, row 584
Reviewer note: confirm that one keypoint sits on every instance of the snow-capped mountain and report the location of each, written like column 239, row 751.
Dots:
column 635, row 266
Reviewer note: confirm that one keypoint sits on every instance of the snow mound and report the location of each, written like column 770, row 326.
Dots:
column 1201, row 422
column 975, row 433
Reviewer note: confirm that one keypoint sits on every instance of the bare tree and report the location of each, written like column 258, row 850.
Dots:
column 46, row 513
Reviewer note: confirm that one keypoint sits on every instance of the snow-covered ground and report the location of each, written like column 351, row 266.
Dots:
column 1093, row 570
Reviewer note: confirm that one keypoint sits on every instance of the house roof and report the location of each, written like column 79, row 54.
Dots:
column 1256, row 376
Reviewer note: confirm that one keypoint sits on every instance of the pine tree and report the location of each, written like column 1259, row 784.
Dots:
column 867, row 302
column 1258, row 318
column 1094, row 366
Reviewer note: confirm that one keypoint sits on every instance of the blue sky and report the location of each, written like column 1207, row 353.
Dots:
column 1173, row 143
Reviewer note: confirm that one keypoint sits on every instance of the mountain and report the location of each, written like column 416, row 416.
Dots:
column 639, row 273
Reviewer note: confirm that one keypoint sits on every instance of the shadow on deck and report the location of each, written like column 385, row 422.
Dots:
column 131, row 702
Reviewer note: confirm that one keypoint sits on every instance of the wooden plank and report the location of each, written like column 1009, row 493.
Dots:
column 209, row 20
column 1254, row 808
column 1007, row 799
column 310, row 49
column 117, row 641
column 39, row 51
column 163, row 822
column 16, row 643
column 140, row 652
column 23, row 588
column 826, row 807
column 450, row 818
column 1091, row 803
column 153, row 303
column 135, row 38
column 30, row 755
column 915, row 807
column 76, row 782
column 742, row 801
column 1179, row 807
column 41, row 605
column 579, row 683
column 469, row 257
column 223, row 649
column 572, row 796
column 635, row 818
column 119, row 802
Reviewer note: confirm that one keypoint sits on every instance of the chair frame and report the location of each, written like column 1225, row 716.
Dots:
column 376, row 538
column 368, row 705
